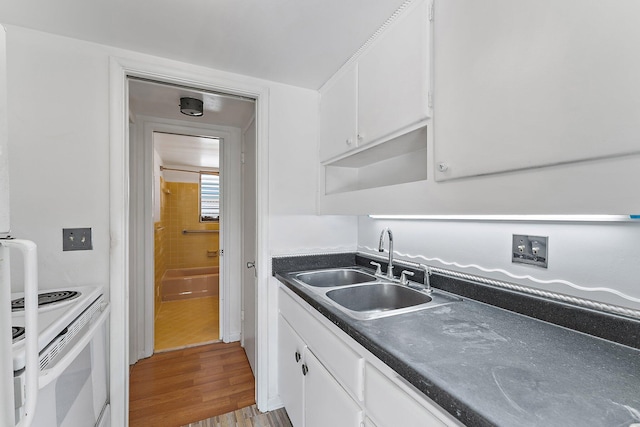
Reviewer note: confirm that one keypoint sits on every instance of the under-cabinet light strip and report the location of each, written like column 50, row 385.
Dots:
column 569, row 218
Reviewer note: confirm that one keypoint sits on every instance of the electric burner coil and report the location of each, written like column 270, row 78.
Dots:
column 17, row 332
column 46, row 298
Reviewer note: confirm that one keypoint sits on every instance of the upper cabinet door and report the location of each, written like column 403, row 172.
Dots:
column 393, row 76
column 4, row 160
column 534, row 83
column 338, row 115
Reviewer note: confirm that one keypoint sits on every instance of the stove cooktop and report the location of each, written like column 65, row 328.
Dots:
column 46, row 298
column 53, row 318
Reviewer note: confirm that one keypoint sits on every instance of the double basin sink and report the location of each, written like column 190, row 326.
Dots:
column 365, row 296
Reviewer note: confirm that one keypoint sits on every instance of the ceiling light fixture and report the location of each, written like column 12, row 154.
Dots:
column 191, row 107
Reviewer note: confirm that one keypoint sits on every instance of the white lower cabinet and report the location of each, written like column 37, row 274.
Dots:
column 312, row 397
column 324, row 381
column 326, row 403
column 390, row 406
column 290, row 380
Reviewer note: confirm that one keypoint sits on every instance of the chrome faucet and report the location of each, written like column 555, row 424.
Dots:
column 381, row 249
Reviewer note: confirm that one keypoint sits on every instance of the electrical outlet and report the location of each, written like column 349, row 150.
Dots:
column 76, row 239
column 530, row 250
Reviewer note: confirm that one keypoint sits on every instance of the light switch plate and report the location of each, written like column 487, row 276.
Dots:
column 76, row 239
column 532, row 250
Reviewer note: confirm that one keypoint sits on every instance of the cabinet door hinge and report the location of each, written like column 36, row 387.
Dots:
column 430, row 99
column 242, row 158
column 431, row 11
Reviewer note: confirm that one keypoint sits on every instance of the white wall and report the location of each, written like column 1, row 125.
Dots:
column 59, row 137
column 300, row 234
column 58, row 89
column 4, row 157
column 59, row 161
column 587, row 254
column 179, row 176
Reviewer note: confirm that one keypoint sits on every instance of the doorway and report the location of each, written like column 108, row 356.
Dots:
column 127, row 238
column 186, row 223
column 171, row 152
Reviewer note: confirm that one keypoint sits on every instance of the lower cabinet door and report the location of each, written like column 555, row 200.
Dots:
column 390, row 406
column 290, row 379
column 326, row 402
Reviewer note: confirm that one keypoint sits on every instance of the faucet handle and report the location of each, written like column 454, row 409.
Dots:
column 427, row 274
column 378, row 269
column 403, row 276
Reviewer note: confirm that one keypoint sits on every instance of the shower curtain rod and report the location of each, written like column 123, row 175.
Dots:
column 162, row 168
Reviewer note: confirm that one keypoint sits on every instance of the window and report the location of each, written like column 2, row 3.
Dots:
column 209, row 197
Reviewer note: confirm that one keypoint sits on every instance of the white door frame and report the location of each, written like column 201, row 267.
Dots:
column 142, row 298
column 120, row 70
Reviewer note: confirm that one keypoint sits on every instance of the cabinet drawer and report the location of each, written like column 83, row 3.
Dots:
column 389, row 405
column 345, row 364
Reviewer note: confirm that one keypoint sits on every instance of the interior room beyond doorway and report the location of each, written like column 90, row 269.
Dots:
column 186, row 240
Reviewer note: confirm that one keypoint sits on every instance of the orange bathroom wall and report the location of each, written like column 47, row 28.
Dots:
column 182, row 213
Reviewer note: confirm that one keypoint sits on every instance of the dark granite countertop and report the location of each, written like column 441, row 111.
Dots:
column 489, row 366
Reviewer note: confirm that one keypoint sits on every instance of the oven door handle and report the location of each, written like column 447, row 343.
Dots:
column 30, row 259
column 51, row 374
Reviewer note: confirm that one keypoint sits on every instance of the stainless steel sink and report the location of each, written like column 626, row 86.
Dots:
column 385, row 299
column 383, row 296
column 335, row 277
column 363, row 296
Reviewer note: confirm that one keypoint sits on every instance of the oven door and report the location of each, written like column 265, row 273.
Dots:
column 73, row 392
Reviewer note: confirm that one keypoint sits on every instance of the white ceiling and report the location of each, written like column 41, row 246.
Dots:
column 163, row 101
column 181, row 150
column 298, row 42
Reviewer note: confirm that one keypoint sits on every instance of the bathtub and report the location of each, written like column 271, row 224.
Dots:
column 183, row 283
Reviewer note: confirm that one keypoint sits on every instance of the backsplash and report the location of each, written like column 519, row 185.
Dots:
column 594, row 261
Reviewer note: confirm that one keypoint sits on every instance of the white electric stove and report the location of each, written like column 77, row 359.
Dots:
column 72, row 378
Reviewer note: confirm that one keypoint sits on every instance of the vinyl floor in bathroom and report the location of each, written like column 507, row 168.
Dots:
column 187, row 323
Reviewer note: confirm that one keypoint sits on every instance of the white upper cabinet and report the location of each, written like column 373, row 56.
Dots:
column 393, row 77
column 338, row 115
column 534, row 83
column 383, row 92
column 536, row 111
column 4, row 160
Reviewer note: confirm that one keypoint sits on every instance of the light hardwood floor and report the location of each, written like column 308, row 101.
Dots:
column 185, row 323
column 180, row 387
